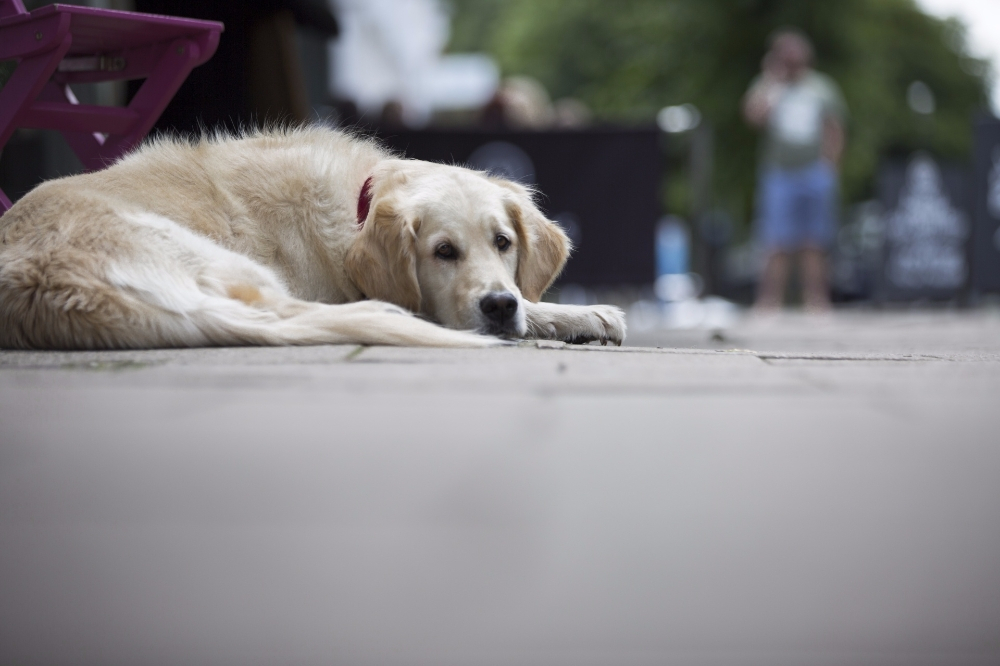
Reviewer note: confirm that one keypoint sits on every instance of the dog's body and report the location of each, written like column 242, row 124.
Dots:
column 281, row 238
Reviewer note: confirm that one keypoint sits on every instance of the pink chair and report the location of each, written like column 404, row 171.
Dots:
column 58, row 45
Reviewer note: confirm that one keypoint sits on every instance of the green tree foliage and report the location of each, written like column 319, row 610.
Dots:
column 629, row 58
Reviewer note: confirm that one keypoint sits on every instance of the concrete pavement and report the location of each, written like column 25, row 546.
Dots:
column 788, row 491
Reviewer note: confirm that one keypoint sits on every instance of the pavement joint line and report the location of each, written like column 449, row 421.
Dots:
column 354, row 353
column 690, row 390
column 553, row 390
column 108, row 366
column 563, row 346
column 655, row 350
column 774, row 356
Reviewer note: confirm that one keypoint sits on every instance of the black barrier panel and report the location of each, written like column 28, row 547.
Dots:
column 927, row 228
column 986, row 208
column 601, row 186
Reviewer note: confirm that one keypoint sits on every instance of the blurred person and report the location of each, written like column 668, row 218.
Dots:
column 392, row 116
column 571, row 113
column 257, row 74
column 521, row 103
column 801, row 113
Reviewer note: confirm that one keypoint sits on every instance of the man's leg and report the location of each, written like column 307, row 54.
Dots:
column 774, row 218
column 815, row 282
column 820, row 230
column 771, row 288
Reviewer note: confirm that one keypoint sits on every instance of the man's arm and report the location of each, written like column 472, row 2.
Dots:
column 764, row 92
column 757, row 105
column 833, row 140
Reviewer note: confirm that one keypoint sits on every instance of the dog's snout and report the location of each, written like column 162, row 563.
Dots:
column 499, row 307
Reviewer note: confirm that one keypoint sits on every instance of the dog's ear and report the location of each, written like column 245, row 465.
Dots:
column 543, row 247
column 382, row 261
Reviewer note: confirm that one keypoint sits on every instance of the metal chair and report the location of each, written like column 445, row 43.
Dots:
column 58, row 45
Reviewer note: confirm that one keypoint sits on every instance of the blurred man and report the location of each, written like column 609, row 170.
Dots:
column 802, row 114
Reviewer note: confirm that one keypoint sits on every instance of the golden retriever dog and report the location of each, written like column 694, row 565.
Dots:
column 294, row 237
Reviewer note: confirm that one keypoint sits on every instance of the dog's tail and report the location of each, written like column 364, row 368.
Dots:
column 142, row 307
column 280, row 320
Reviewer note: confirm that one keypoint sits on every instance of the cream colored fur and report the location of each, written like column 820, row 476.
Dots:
column 254, row 241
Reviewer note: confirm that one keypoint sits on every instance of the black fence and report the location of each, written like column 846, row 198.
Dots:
column 985, row 246
column 601, row 186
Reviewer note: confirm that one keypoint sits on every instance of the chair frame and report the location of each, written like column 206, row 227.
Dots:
column 59, row 45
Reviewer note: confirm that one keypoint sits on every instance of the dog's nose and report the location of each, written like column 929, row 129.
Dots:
column 499, row 307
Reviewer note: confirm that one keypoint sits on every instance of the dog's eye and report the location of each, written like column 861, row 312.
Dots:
column 445, row 251
column 502, row 242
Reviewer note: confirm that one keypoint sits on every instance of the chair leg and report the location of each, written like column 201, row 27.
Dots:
column 157, row 90
column 11, row 8
column 31, row 80
column 25, row 84
column 20, row 91
column 86, row 145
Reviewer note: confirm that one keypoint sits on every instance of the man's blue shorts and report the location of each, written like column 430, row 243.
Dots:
column 796, row 208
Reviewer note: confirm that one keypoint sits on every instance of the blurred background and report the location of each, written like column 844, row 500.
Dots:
column 627, row 116
column 830, row 498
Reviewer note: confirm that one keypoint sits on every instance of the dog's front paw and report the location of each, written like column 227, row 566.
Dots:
column 598, row 322
column 576, row 324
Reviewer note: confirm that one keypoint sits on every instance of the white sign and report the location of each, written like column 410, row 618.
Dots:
column 926, row 233
column 392, row 51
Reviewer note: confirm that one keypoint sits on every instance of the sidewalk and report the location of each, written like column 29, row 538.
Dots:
column 947, row 333
column 790, row 491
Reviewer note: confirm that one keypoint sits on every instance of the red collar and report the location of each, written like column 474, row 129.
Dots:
column 364, row 202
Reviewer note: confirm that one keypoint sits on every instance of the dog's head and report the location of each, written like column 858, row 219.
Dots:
column 463, row 248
